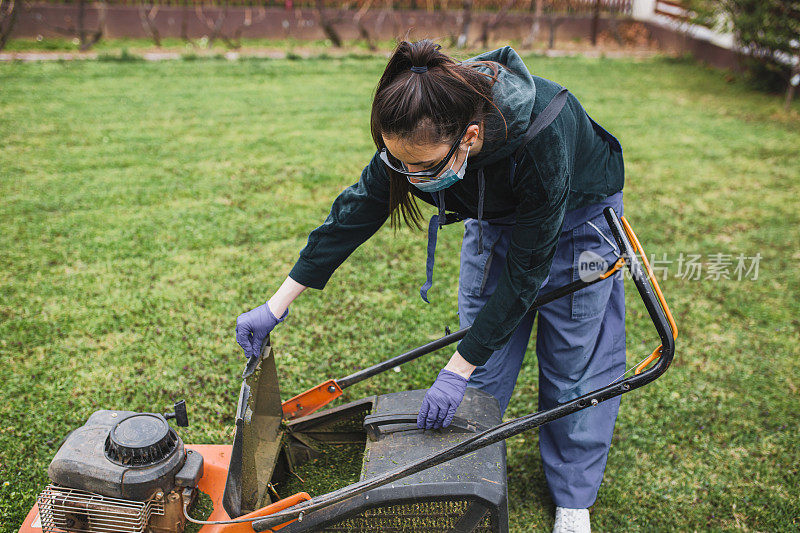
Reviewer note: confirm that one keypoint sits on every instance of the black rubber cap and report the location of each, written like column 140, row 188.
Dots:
column 181, row 417
column 140, row 440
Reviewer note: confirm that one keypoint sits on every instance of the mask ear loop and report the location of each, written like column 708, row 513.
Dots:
column 469, row 147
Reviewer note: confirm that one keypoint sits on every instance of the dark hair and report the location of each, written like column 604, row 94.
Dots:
column 426, row 108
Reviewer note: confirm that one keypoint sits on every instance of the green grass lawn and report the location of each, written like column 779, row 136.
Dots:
column 143, row 206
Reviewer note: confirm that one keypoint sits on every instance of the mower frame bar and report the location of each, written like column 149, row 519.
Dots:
column 656, row 308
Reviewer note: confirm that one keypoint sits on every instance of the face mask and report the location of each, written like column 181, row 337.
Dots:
column 448, row 178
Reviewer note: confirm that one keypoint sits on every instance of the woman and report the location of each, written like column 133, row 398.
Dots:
column 519, row 159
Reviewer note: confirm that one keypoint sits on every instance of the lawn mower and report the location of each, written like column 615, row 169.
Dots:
column 126, row 471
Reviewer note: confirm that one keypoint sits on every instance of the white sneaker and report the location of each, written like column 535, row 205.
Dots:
column 572, row 521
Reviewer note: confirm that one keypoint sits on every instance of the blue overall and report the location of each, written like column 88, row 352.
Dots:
column 580, row 340
column 580, row 345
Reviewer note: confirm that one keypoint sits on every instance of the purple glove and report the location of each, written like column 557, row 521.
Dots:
column 441, row 401
column 253, row 327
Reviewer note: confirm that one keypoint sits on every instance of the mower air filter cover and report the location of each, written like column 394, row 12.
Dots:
column 143, row 439
column 120, row 454
column 465, row 494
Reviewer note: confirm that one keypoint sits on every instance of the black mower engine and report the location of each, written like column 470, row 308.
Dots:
column 121, row 472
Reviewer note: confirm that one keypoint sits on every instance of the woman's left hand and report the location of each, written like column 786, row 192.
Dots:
column 441, row 401
column 445, row 395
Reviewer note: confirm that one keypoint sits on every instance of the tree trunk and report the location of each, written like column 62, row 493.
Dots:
column 214, row 26
column 465, row 22
column 327, row 25
column 553, row 25
column 484, row 38
column 185, row 23
column 536, row 27
column 595, row 21
column 89, row 38
column 235, row 42
column 147, row 14
column 80, row 24
column 492, row 23
column 794, row 81
column 86, row 37
column 9, row 13
column 362, row 30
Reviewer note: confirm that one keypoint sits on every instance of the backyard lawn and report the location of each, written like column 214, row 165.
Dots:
column 143, row 206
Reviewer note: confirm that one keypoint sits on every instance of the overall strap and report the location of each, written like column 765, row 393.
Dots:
column 481, row 195
column 436, row 222
column 544, row 119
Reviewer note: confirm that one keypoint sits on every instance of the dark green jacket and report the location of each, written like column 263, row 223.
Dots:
column 572, row 163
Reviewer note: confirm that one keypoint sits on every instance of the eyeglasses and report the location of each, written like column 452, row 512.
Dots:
column 427, row 175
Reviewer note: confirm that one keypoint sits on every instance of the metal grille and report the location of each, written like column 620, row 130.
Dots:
column 75, row 511
column 432, row 515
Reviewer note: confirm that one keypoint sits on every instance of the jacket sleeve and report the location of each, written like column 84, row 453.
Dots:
column 542, row 194
column 357, row 213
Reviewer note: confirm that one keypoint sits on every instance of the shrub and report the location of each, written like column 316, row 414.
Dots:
column 767, row 30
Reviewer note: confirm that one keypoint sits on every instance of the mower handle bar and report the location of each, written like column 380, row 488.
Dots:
column 656, row 308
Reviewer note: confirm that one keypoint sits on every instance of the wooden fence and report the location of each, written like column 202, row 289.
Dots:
column 548, row 6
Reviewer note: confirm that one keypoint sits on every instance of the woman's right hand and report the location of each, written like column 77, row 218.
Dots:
column 253, row 327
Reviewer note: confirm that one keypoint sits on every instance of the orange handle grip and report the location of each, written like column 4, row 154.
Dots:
column 637, row 246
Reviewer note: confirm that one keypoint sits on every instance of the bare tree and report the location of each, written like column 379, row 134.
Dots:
column 362, row 29
column 794, row 81
column 491, row 23
column 185, row 23
column 328, row 24
column 544, row 10
column 552, row 23
column 147, row 15
column 387, row 11
column 235, row 41
column 90, row 37
column 86, row 37
column 466, row 20
column 212, row 23
column 536, row 26
column 548, row 11
column 9, row 13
